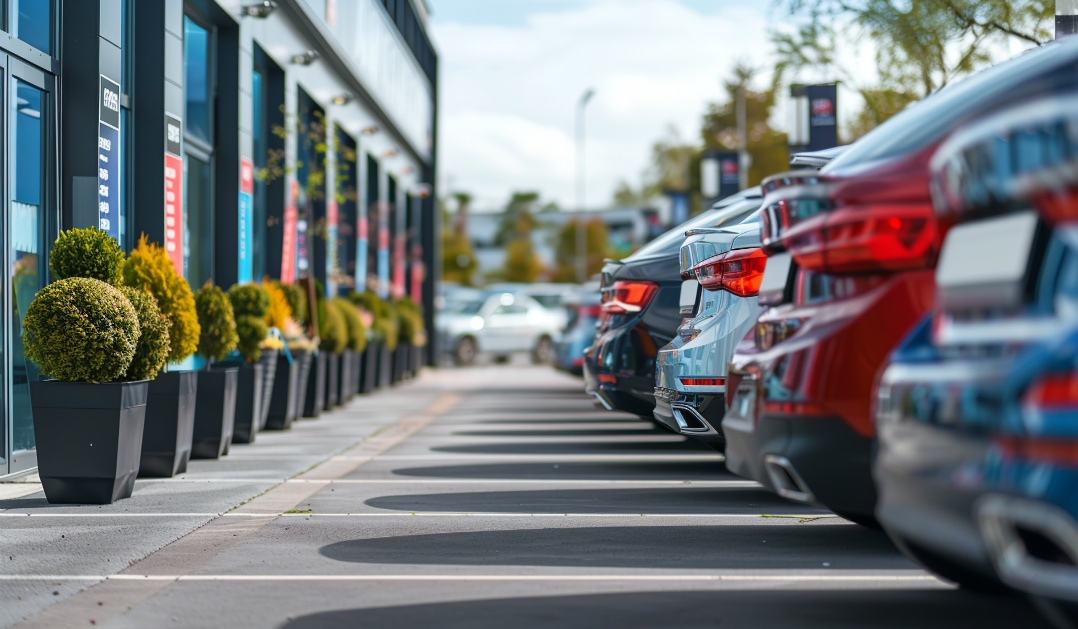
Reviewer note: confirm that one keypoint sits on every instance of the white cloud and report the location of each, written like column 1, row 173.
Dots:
column 508, row 93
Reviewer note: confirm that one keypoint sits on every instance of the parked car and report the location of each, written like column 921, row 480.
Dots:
column 852, row 250
column 582, row 312
column 549, row 295
column 977, row 415
column 722, row 269
column 499, row 324
column 641, row 312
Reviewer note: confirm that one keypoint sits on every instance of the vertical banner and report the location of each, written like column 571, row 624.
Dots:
column 331, row 247
column 823, row 116
column 418, row 274
column 288, row 241
column 246, row 229
column 108, row 157
column 720, row 175
column 361, row 250
column 174, row 191
column 400, row 265
column 384, row 211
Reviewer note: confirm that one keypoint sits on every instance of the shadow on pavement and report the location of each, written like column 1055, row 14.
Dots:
column 555, row 418
column 823, row 609
column 643, row 431
column 580, row 447
column 642, row 470
column 659, row 500
column 780, row 547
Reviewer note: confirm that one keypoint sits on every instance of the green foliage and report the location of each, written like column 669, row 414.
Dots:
column 355, row 330
column 412, row 330
column 331, row 328
column 522, row 263
column 149, row 268
column 249, row 300
column 297, row 301
column 80, row 329
column 596, row 237
column 389, row 323
column 251, row 331
column 217, row 321
column 87, row 252
column 384, row 328
column 151, row 353
column 458, row 260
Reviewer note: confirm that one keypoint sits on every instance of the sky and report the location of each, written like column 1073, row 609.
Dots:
column 511, row 72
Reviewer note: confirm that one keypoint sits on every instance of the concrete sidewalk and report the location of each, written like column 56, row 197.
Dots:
column 50, row 552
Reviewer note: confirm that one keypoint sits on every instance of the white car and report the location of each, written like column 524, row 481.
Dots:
column 499, row 325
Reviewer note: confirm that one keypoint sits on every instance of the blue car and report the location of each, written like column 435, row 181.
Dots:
column 977, row 412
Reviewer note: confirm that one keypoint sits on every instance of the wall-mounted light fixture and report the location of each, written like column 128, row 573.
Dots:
column 371, row 130
column 422, row 190
column 259, row 10
column 342, row 99
column 407, row 170
column 390, row 153
column 305, row 58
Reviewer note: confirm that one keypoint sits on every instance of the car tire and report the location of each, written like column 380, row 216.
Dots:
column 543, row 354
column 867, row 521
column 948, row 570
column 465, row 352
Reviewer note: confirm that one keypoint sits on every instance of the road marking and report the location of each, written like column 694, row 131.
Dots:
column 411, row 514
column 532, row 481
column 483, row 577
column 547, row 458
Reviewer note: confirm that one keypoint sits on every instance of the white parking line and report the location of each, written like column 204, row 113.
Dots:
column 531, row 481
column 547, row 458
column 482, row 577
column 425, row 514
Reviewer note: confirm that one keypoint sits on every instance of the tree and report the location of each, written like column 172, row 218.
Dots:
column 596, row 237
column 522, row 263
column 458, row 260
column 516, row 221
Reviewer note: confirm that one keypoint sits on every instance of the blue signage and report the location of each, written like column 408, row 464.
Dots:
column 108, row 158
column 246, row 217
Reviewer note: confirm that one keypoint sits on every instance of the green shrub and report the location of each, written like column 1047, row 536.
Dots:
column 384, row 328
column 389, row 323
column 149, row 268
column 87, row 252
column 151, row 353
column 249, row 300
column 332, row 333
column 297, row 301
column 215, row 318
column 412, row 328
column 80, row 329
column 356, row 331
column 251, row 331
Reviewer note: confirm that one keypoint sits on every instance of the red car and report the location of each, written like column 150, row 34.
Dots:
column 850, row 270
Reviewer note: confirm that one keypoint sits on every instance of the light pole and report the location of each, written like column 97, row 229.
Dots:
column 581, row 226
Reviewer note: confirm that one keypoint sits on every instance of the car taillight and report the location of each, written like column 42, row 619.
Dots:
column 767, row 334
column 702, row 382
column 866, row 239
column 1053, row 393
column 590, row 311
column 629, row 296
column 739, row 272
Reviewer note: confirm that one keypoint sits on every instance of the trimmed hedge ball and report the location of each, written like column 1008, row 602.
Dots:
column 87, row 252
column 151, row 353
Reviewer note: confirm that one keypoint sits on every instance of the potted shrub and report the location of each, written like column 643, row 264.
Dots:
column 300, row 337
column 378, row 363
column 83, row 333
column 356, row 335
column 412, row 334
column 291, row 362
column 166, row 438
column 170, row 405
column 303, row 351
column 333, row 341
column 249, row 304
column 367, row 361
column 391, row 331
column 215, row 408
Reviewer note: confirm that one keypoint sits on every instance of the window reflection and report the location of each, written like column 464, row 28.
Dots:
column 197, row 239
column 33, row 22
column 196, row 57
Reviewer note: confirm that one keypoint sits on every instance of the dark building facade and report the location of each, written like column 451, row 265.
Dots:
column 252, row 139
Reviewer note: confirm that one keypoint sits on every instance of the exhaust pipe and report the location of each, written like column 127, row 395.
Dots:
column 602, row 401
column 787, row 482
column 690, row 420
column 1034, row 545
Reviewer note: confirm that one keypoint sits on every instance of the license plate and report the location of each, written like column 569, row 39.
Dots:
column 986, row 264
column 776, row 275
column 742, row 410
column 690, row 293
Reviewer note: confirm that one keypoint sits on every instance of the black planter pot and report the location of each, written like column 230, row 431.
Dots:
column 369, row 381
column 357, row 373
column 215, row 412
column 268, row 360
column 314, row 400
column 385, row 366
column 248, row 403
column 416, row 362
column 170, row 424
column 344, row 377
column 282, row 405
column 399, row 355
column 305, row 359
column 333, row 372
column 89, row 438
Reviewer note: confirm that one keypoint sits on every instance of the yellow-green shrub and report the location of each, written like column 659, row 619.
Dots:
column 332, row 333
column 151, row 353
column 279, row 311
column 251, row 331
column 87, row 252
column 149, row 268
column 297, row 302
column 356, row 331
column 218, row 325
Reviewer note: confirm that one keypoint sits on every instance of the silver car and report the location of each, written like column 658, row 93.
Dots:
column 722, row 268
column 499, row 325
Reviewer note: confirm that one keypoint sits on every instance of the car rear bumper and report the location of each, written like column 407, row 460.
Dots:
column 695, row 415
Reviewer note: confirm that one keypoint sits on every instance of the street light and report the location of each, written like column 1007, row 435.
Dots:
column 581, row 227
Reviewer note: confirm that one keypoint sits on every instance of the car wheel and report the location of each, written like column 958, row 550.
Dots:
column 544, row 351
column 465, row 352
column 950, row 571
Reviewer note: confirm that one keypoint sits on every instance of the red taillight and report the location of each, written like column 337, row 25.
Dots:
column 629, row 296
column 1057, row 205
column 607, row 378
column 590, row 311
column 578, row 361
column 1054, row 392
column 739, row 272
column 702, row 382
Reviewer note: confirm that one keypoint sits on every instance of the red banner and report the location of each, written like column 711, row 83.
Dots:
column 174, row 210
column 288, row 244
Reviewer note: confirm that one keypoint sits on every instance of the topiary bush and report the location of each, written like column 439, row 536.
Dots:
column 279, row 312
column 218, row 324
column 333, row 334
column 411, row 323
column 297, row 302
column 389, row 324
column 356, row 331
column 384, row 327
column 80, row 329
column 249, row 300
column 149, row 268
column 151, row 353
column 87, row 252
column 250, row 331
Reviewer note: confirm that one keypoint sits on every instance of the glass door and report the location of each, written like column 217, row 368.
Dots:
column 31, row 223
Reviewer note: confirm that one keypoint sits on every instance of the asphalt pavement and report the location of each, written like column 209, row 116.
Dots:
column 494, row 496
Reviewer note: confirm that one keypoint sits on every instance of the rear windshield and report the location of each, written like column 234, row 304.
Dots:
column 1048, row 68
column 671, row 241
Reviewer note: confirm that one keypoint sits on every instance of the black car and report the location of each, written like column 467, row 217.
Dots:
column 641, row 312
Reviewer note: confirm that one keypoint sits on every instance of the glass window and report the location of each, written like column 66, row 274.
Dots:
column 197, row 79
column 671, row 241
column 27, row 264
column 32, row 21
column 198, row 234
